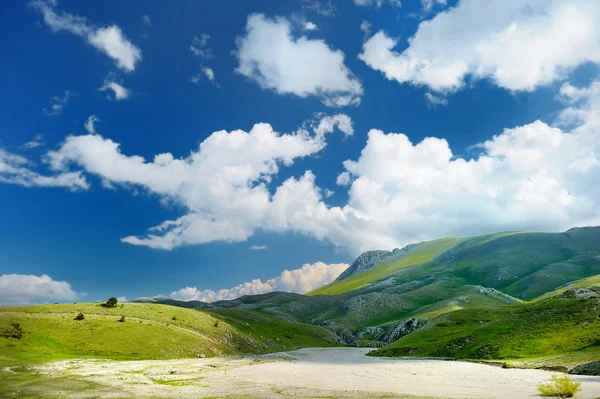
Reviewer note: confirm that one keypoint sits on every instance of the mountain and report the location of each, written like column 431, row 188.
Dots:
column 511, row 295
column 380, row 295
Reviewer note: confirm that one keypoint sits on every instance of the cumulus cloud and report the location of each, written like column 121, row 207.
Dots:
column 223, row 184
column 269, row 55
column 537, row 177
column 57, row 104
column 15, row 169
column 519, row 45
column 118, row 92
column 308, row 278
column 310, row 26
column 22, row 289
column 89, row 124
column 110, row 40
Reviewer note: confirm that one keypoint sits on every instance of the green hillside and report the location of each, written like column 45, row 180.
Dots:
column 552, row 327
column 150, row 331
column 423, row 253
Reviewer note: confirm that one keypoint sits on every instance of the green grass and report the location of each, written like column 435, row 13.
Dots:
column 543, row 329
column 424, row 253
column 593, row 281
column 149, row 332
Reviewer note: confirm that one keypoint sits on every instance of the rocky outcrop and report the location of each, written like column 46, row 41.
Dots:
column 372, row 258
column 592, row 368
column 591, row 292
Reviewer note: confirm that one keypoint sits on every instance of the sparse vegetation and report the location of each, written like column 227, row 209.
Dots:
column 560, row 387
column 111, row 302
column 14, row 331
column 122, row 319
column 79, row 316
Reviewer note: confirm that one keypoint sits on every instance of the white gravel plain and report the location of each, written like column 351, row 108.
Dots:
column 306, row 373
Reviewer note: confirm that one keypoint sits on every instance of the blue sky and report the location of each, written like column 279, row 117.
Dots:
column 454, row 90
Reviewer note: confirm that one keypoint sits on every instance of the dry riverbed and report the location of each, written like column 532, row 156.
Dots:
column 307, row 373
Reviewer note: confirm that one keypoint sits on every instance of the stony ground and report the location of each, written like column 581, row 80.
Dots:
column 307, row 373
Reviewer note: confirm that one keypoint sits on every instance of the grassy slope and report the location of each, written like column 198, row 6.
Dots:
column 149, row 332
column 546, row 328
column 424, row 253
column 593, row 281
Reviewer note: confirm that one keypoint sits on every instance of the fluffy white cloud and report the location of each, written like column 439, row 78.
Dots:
column 308, row 278
column 118, row 92
column 89, row 124
column 377, row 3
column 223, row 184
column 310, row 26
column 21, row 289
column 109, row 40
column 15, row 169
column 530, row 177
column 57, row 104
column 269, row 55
column 518, row 44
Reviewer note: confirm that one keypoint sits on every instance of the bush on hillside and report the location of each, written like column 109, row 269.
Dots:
column 110, row 302
column 561, row 387
column 80, row 316
column 122, row 319
column 15, row 331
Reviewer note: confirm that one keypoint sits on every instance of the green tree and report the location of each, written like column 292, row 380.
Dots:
column 80, row 316
column 110, row 302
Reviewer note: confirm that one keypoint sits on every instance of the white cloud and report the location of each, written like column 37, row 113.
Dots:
column 308, row 278
column 519, row 45
column 377, row 3
column 223, row 184
column 269, row 55
column 435, row 101
column 147, row 20
column 118, row 92
column 109, row 40
column 89, row 124
column 322, row 7
column 428, row 4
column 57, row 104
column 15, row 169
column 310, row 26
column 199, row 47
column 21, row 289
column 37, row 141
column 328, row 193
column 533, row 177
column 258, row 247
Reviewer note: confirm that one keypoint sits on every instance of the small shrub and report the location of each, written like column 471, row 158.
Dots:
column 174, row 318
column 561, row 387
column 216, row 324
column 122, row 319
column 110, row 302
column 80, row 316
column 15, row 331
